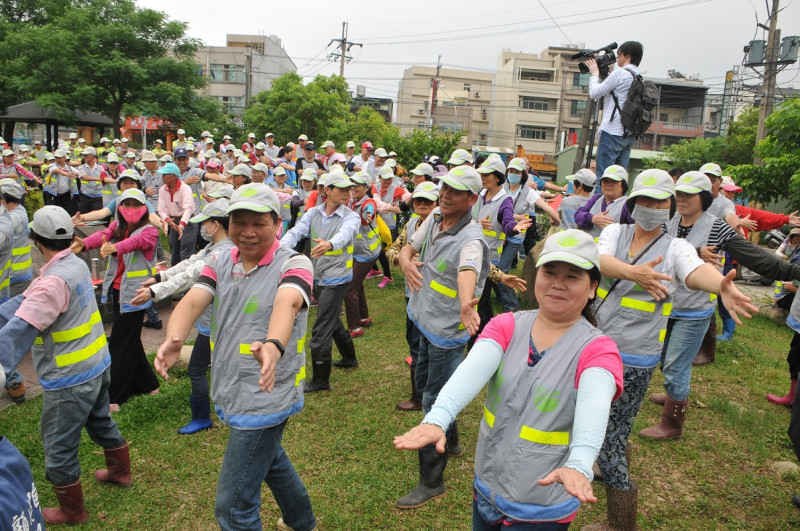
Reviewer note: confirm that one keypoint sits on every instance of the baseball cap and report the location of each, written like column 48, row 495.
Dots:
column 189, row 148
column 269, row 135
column 113, row 157
column 73, row 136
column 711, row 168
column 328, row 144
column 380, row 152
column 729, row 185
column 321, row 179
column 169, row 168
column 367, row 145
column 124, row 139
column 361, row 177
column 209, row 140
column 460, row 156
column 261, row 145
column 308, row 175
column 390, row 163
column 60, row 153
column 147, row 156
column 128, row 155
column 517, row 163
column 241, row 169
column 426, row 190
column 693, row 182
column 249, row 135
column 49, row 156
column 338, row 179
column 166, row 158
column 39, row 142
column 181, row 152
column 463, row 178
column 280, row 171
column 130, row 173
column 205, row 133
column 385, row 172
column 310, row 146
column 81, row 140
column 115, row 141
column 584, row 176
column 351, row 144
column 615, row 173
column 337, row 158
column 256, row 197
column 52, row 222
column 213, row 162
column 243, row 159
column 795, row 232
column 335, row 167
column 11, row 187
column 190, row 139
column 90, row 151
column 423, row 169
column 302, row 137
column 572, row 246
column 493, row 164
column 8, row 152
column 260, row 166
column 225, row 190
column 392, row 154
column 653, row 183
column 24, row 147
column 159, row 141
column 215, row 209
column 181, row 132
column 132, row 193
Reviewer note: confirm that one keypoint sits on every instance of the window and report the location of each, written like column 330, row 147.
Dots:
column 532, row 132
column 232, row 104
column 446, row 127
column 663, row 117
column 580, row 80
column 526, row 74
column 577, row 108
column 227, row 73
column 467, row 87
column 536, row 104
column 422, row 125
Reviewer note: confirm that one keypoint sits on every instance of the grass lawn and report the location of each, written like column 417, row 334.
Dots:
column 717, row 476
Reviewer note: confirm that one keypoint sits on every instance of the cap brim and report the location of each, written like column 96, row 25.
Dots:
column 730, row 188
column 348, row 184
column 248, row 205
column 452, row 183
column 425, row 195
column 199, row 218
column 418, row 172
column 686, row 189
column 613, row 178
column 454, row 161
column 563, row 256
column 649, row 192
column 485, row 169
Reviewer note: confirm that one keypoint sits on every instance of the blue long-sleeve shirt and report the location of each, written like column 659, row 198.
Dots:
column 583, row 218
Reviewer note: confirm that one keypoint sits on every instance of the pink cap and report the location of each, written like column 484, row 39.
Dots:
column 367, row 145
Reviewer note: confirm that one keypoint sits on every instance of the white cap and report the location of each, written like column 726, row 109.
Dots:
column 572, row 246
column 52, row 222
column 73, row 136
column 256, row 197
column 380, row 152
column 463, row 178
column 460, row 156
column 181, row 132
column 711, row 168
column 328, row 144
column 493, row 164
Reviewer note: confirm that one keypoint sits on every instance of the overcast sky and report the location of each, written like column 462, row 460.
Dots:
column 702, row 37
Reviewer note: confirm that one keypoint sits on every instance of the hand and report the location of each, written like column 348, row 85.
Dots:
column 168, row 353
column 602, row 220
column 514, row 282
column 748, row 223
column 321, row 247
column 420, row 437
column 411, row 271
column 107, row 249
column 708, row 255
column 39, row 180
column 77, row 218
column 555, row 221
column 194, row 179
column 149, row 282
column 523, row 225
column 268, row 356
column 395, row 209
column 648, row 278
column 470, row 317
column 77, row 245
column 150, row 190
column 486, row 223
column 734, row 300
column 591, row 64
column 142, row 296
column 574, row 482
column 794, row 219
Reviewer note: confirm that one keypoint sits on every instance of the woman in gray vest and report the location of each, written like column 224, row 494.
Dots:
column 693, row 310
column 129, row 243
column 607, row 207
column 633, row 311
column 552, row 376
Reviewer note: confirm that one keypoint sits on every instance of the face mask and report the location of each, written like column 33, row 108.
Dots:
column 650, row 218
column 513, row 178
column 132, row 214
column 205, row 234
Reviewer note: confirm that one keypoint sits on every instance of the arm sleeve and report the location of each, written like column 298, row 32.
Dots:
column 301, row 229
column 766, row 220
column 187, row 203
column 607, row 241
column 95, row 240
column 419, row 235
column 16, row 339
column 45, row 300
column 348, row 230
column 181, row 281
column 598, row 89
column 760, row 260
column 507, row 215
column 144, row 241
column 470, row 257
column 583, row 218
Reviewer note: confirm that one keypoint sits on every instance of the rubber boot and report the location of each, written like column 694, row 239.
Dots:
column 621, row 506
column 321, row 376
column 431, row 479
column 201, row 416
column 708, row 349
column 672, row 419
column 348, row 351
column 784, row 400
column 413, row 403
column 453, row 446
column 70, row 510
column 118, row 461
column 658, row 398
column 598, row 474
column 728, row 328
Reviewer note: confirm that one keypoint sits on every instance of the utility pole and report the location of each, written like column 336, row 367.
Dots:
column 770, row 75
column 344, row 49
column 586, row 131
column 434, row 95
column 248, row 87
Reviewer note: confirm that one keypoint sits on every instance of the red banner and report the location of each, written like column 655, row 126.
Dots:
column 152, row 124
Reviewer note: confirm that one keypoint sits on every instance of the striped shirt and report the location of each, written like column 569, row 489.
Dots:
column 721, row 234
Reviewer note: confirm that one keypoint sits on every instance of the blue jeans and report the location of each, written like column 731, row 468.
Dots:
column 681, row 345
column 726, row 268
column 435, row 365
column 506, row 295
column 253, row 456
column 65, row 412
column 485, row 511
column 612, row 149
column 198, row 366
column 13, row 377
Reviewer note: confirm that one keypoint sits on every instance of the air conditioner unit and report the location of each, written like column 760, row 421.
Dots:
column 477, row 94
column 420, row 111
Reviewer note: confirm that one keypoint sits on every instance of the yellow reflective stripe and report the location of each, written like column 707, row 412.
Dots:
column 107, row 192
column 211, row 344
column 502, row 236
column 666, row 309
column 300, row 344
column 489, row 416
column 350, row 249
column 134, row 274
column 244, row 348
column 4, row 284
column 77, row 332
column 661, row 335
column 444, row 290
column 560, row 438
column 8, row 264
column 712, row 296
column 500, row 250
column 374, row 245
column 491, row 233
column 300, row 376
column 627, row 302
column 19, row 251
column 359, row 237
column 349, row 264
column 38, row 341
column 334, row 253
column 601, row 292
column 85, row 353
column 22, row 265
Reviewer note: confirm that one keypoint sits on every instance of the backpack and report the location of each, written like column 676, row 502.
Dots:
column 637, row 111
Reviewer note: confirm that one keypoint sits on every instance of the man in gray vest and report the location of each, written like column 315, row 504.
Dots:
column 445, row 282
column 258, row 323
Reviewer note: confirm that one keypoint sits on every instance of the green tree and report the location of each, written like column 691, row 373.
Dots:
column 741, row 138
column 369, row 125
column 420, row 142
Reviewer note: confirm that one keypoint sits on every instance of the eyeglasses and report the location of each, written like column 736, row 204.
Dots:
column 421, row 201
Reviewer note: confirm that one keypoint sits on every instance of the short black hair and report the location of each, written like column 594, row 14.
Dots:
column 587, row 188
column 676, row 172
column 222, row 221
column 52, row 245
column 633, row 49
column 706, row 199
column 501, row 177
column 138, row 182
column 479, row 160
column 11, row 198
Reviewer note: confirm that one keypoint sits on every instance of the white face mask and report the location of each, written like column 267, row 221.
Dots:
column 650, row 218
column 205, row 234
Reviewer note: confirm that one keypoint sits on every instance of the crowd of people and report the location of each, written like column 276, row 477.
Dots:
column 627, row 280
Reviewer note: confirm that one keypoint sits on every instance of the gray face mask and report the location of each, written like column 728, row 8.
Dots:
column 650, row 218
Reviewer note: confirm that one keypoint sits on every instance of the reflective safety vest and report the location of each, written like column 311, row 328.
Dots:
column 334, row 267
column 152, row 180
column 204, row 321
column 73, row 350
column 435, row 309
column 110, row 190
column 51, row 179
column 197, row 188
column 387, row 196
column 614, row 212
column 137, row 270
column 631, row 316
column 568, row 207
column 494, row 236
column 524, row 203
column 7, row 229
column 21, row 263
column 102, row 154
column 689, row 303
column 526, row 429
column 367, row 245
column 241, row 313
column 303, row 195
column 91, row 188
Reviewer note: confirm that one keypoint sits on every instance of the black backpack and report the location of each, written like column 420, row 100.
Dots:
column 637, row 111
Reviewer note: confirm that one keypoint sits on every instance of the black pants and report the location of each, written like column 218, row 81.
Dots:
column 88, row 204
column 785, row 302
column 793, row 358
column 328, row 327
column 794, row 424
column 131, row 373
column 530, row 237
column 185, row 247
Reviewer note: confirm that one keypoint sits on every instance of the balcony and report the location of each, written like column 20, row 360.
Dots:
column 676, row 129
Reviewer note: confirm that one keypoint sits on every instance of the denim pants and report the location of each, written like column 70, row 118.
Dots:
column 435, row 365
column 13, row 377
column 506, row 295
column 253, row 457
column 681, row 345
column 65, row 412
column 412, row 338
column 198, row 366
column 484, row 512
column 612, row 149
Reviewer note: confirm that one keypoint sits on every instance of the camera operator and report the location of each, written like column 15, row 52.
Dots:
column 614, row 146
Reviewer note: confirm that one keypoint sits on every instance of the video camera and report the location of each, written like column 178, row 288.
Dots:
column 603, row 62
